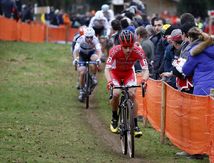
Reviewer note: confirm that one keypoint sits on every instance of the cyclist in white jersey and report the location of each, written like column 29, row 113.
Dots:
column 100, row 24
column 87, row 48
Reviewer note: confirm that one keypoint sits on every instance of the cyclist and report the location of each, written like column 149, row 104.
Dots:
column 107, row 12
column 119, row 66
column 100, row 24
column 80, row 32
column 87, row 48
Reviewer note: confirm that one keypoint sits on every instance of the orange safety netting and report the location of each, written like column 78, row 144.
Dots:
column 8, row 29
column 189, row 118
column 150, row 105
column 34, row 32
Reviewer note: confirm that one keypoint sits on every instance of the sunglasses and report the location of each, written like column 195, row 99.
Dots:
column 89, row 37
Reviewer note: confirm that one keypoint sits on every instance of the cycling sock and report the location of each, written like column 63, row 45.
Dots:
column 114, row 115
column 135, row 121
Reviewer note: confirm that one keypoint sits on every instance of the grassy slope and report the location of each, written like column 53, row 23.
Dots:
column 40, row 118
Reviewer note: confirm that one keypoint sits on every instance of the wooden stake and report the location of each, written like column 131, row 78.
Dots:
column 163, row 113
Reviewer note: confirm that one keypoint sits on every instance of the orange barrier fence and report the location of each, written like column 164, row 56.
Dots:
column 189, row 119
column 10, row 30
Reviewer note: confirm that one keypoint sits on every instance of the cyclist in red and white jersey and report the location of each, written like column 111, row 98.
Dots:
column 119, row 66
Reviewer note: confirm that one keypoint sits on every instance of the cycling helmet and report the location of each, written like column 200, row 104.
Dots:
column 99, row 15
column 105, row 7
column 126, row 38
column 89, row 32
column 82, row 30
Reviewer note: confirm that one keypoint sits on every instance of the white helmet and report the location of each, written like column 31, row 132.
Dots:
column 99, row 15
column 105, row 7
column 89, row 32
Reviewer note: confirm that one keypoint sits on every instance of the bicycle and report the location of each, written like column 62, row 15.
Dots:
column 126, row 118
column 88, row 81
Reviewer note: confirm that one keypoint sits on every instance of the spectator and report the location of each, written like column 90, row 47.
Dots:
column 27, row 14
column 107, row 12
column 151, row 32
column 57, row 18
column 187, row 18
column 171, row 53
column 8, row 6
column 200, row 62
column 127, row 25
column 116, row 27
column 147, row 45
column 160, row 46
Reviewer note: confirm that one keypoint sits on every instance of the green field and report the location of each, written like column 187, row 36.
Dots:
column 42, row 121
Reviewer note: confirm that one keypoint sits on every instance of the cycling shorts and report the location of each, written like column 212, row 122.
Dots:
column 128, row 77
column 83, row 57
column 99, row 31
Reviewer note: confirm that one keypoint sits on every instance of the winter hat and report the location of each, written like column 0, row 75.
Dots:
column 176, row 35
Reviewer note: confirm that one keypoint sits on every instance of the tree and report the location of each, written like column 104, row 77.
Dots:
column 196, row 7
column 66, row 4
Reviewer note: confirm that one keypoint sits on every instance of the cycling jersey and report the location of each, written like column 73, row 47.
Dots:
column 87, row 49
column 101, row 26
column 122, row 67
column 117, row 60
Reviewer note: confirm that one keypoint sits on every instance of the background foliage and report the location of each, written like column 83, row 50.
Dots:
column 197, row 7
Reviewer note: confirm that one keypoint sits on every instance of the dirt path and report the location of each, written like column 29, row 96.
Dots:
column 110, row 140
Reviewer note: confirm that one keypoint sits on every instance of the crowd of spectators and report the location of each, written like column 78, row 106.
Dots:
column 15, row 9
column 168, row 46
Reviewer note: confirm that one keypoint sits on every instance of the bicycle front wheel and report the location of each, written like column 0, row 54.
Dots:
column 130, row 128
column 87, row 90
column 123, row 131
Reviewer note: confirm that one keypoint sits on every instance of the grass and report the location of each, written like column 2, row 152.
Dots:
column 41, row 119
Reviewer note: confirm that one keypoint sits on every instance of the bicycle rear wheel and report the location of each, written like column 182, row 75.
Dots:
column 130, row 129
column 123, row 131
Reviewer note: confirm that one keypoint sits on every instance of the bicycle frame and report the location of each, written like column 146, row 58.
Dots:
column 87, row 80
column 126, row 119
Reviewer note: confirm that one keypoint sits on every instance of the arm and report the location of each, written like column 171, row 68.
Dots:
column 144, row 66
column 107, row 74
column 189, row 67
column 109, row 62
column 76, row 51
column 98, row 48
column 145, row 74
column 108, row 28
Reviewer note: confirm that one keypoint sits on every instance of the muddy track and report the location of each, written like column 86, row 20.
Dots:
column 102, row 131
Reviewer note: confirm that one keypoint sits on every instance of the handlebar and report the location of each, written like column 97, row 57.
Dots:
column 86, row 62
column 123, row 87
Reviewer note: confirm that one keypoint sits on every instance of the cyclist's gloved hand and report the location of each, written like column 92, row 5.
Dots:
column 98, row 61
column 75, row 61
column 144, row 84
column 109, row 85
